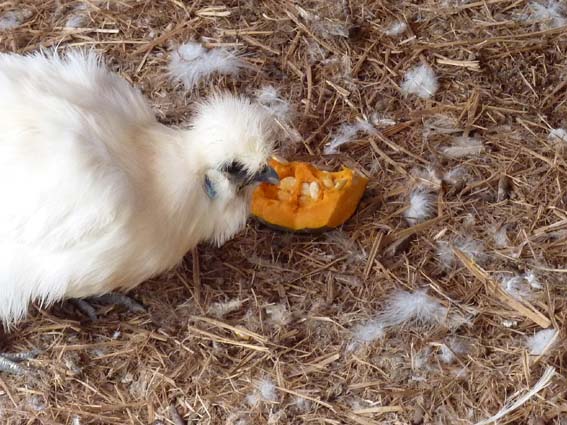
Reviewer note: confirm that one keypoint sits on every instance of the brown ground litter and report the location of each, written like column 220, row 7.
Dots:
column 283, row 309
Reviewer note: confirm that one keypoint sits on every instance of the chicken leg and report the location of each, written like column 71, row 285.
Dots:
column 10, row 362
column 85, row 304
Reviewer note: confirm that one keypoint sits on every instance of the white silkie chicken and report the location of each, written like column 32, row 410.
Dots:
column 97, row 194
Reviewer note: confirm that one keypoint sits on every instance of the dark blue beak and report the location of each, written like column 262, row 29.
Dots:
column 266, row 175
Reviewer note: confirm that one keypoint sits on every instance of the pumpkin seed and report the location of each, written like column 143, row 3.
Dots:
column 288, row 183
column 314, row 190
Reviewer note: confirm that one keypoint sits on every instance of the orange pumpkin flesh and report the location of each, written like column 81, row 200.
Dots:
column 308, row 198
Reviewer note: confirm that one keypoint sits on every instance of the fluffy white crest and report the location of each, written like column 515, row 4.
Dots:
column 420, row 81
column 347, row 133
column 464, row 146
column 542, row 341
column 191, row 62
column 421, row 206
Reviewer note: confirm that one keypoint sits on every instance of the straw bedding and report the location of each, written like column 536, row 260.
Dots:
column 392, row 319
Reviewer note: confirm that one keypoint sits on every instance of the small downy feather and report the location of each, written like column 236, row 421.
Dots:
column 542, row 341
column 78, row 17
column 270, row 99
column 558, row 135
column 452, row 348
column 500, row 236
column 191, row 63
column 13, row 19
column 346, row 133
column 463, row 146
column 397, row 28
column 221, row 309
column 456, row 176
column 369, row 332
column 470, row 247
column 548, row 14
column 265, row 390
column 420, row 81
column 421, row 206
column 280, row 109
column 404, row 307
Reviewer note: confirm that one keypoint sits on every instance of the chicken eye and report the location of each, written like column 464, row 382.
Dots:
column 235, row 169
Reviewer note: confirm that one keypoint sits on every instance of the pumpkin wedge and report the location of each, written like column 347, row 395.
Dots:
column 308, row 198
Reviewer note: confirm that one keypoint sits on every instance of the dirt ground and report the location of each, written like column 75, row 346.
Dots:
column 277, row 328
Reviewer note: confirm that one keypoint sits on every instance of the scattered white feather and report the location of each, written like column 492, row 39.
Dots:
column 346, row 133
column 191, row 63
column 452, row 348
column 558, row 135
column 542, row 341
column 302, row 404
column 380, row 121
column 456, row 176
column 470, row 247
column 500, row 235
column 519, row 401
column 397, row 28
column 270, row 99
column 421, row 360
column 278, row 314
column 550, row 14
column 420, row 81
column 13, row 19
column 325, row 27
column 464, row 146
column 440, row 124
column 265, row 390
column 76, row 420
column 78, row 17
column 533, row 280
column 428, row 176
column 221, row 309
column 421, row 206
column 369, row 332
column 521, row 286
column 404, row 307
column 236, row 419
column 280, row 109
column 516, row 287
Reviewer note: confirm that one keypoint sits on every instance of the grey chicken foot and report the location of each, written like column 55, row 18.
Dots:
column 10, row 362
column 112, row 298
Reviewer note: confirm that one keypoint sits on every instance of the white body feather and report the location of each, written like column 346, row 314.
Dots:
column 96, row 194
